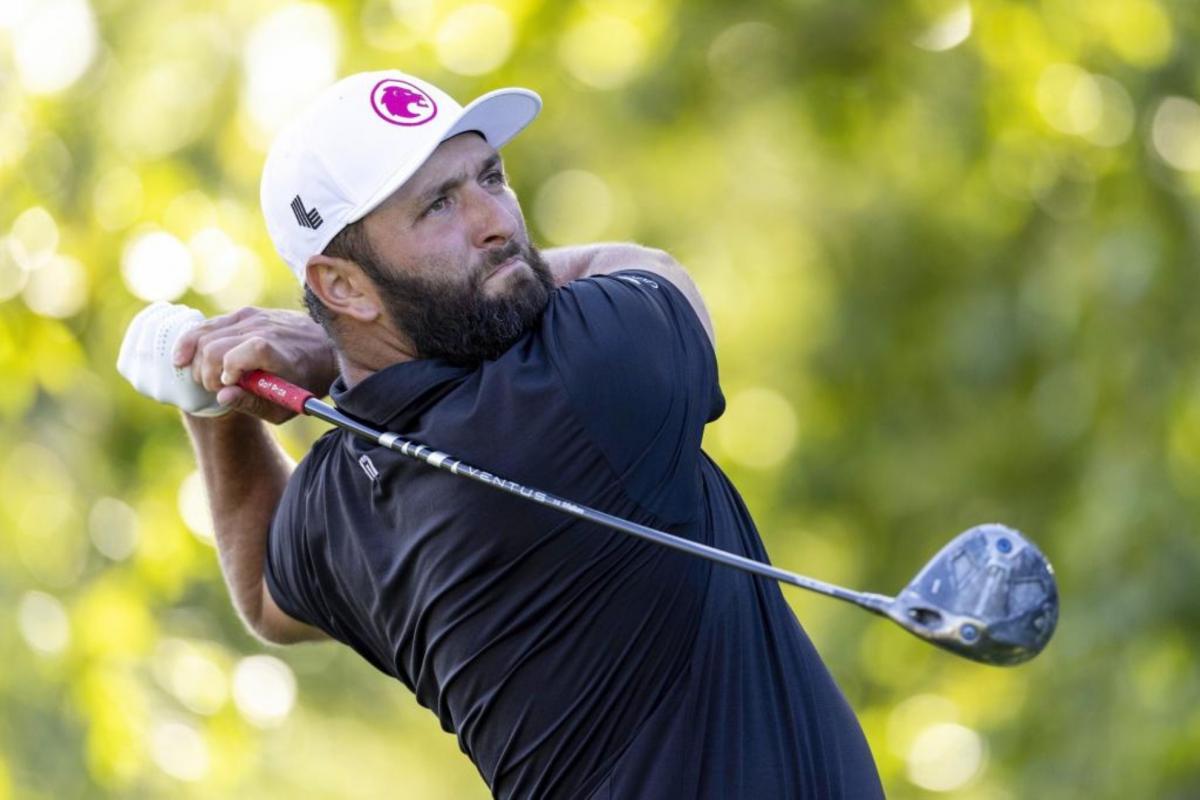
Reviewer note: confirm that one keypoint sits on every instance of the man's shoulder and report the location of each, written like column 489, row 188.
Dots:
column 635, row 276
column 628, row 319
column 600, row 307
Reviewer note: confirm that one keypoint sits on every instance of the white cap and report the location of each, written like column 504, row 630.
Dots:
column 358, row 143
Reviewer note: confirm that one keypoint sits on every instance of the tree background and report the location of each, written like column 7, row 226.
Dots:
column 951, row 252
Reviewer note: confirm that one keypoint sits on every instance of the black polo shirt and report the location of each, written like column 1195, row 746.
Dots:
column 570, row 660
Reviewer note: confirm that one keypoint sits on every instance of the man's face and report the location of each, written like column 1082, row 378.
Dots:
column 455, row 267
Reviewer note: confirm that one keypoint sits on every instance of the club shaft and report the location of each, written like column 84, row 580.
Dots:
column 443, row 461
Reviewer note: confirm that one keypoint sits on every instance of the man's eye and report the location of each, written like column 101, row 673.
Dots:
column 436, row 205
column 494, row 177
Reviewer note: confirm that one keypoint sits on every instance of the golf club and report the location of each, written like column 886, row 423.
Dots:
column 989, row 595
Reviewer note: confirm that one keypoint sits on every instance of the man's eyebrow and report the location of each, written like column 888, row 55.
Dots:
column 451, row 183
column 491, row 161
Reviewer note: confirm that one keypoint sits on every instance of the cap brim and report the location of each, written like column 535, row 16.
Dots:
column 498, row 115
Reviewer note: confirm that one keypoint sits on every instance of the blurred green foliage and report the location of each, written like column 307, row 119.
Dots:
column 951, row 250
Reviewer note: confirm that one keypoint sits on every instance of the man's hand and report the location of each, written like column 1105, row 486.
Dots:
column 287, row 343
column 145, row 359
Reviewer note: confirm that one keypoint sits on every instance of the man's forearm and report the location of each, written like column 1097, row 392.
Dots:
column 245, row 472
column 579, row 261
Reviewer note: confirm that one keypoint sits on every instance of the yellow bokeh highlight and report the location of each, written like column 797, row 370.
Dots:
column 758, row 429
column 189, row 213
column 54, row 42
column 195, row 672
column 179, row 749
column 115, row 706
column 945, row 757
column 58, row 288
column 1013, row 38
column 475, row 39
column 12, row 276
column 167, row 554
column 883, row 646
column 948, row 31
column 573, row 206
column 111, row 623
column 290, row 56
column 1139, row 31
column 33, row 238
column 194, row 509
column 1175, row 133
column 234, row 750
column 397, row 25
column 1162, row 671
column 912, row 715
column 42, row 517
column 607, row 45
column 14, row 136
column 43, row 623
column 156, row 266
column 160, row 110
column 53, row 354
column 1094, row 107
column 117, row 198
column 1183, row 445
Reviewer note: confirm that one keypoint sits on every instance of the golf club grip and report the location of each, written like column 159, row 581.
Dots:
column 276, row 389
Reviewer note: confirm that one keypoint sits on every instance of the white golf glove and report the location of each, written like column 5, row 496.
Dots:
column 145, row 359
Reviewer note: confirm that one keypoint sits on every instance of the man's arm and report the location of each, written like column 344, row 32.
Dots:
column 583, row 261
column 245, row 472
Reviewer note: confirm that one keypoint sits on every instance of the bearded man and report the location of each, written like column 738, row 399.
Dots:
column 570, row 661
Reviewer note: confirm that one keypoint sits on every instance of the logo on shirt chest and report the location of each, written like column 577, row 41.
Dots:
column 368, row 467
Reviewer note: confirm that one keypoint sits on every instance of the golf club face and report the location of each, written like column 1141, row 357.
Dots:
column 988, row 595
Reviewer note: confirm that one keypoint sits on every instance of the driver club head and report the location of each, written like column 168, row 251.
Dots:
column 988, row 595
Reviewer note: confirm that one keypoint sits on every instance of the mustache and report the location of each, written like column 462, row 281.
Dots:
column 498, row 256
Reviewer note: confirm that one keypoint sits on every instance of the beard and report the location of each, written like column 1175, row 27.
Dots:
column 458, row 322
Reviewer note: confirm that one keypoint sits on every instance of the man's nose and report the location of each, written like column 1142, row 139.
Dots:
column 492, row 217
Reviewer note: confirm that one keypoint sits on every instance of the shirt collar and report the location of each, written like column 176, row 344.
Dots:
column 394, row 396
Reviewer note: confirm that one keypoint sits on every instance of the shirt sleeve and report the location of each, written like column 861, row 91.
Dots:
column 641, row 374
column 287, row 568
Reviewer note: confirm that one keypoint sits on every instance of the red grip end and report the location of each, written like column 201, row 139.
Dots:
column 276, row 389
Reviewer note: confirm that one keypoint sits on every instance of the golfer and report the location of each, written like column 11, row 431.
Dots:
column 571, row 661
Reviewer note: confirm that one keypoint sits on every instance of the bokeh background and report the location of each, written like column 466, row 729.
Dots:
column 952, row 251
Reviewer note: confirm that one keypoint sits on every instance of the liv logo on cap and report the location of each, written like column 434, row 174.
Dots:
column 402, row 103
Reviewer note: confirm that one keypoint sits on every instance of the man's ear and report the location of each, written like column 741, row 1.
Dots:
column 343, row 287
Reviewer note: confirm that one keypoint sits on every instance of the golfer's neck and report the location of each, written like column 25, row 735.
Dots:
column 363, row 352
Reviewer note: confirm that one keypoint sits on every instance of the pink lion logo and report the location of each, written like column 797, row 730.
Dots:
column 398, row 99
column 401, row 103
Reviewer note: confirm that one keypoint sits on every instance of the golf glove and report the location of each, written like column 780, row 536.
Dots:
column 146, row 354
